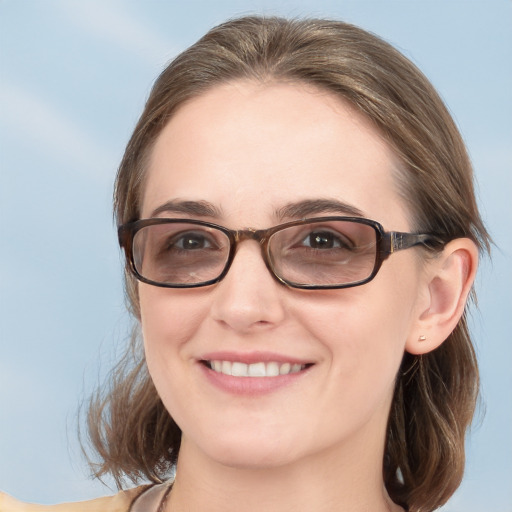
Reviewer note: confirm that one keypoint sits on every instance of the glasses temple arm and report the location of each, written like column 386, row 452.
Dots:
column 399, row 241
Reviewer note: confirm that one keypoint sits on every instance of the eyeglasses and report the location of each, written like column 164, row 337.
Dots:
column 316, row 253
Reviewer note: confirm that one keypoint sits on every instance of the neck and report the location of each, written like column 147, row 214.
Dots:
column 325, row 482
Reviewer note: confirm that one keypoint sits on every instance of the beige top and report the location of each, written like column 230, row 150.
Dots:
column 146, row 498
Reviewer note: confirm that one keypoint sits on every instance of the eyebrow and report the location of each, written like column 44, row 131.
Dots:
column 296, row 210
column 308, row 207
column 198, row 208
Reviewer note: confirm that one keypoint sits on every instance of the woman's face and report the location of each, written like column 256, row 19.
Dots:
column 250, row 151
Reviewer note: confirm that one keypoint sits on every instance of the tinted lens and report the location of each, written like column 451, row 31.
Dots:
column 324, row 253
column 180, row 253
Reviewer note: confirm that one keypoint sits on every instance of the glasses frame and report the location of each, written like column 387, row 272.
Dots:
column 388, row 242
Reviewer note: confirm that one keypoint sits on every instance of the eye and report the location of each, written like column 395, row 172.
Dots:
column 191, row 241
column 323, row 239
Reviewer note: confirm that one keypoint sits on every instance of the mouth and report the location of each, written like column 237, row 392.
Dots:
column 257, row 369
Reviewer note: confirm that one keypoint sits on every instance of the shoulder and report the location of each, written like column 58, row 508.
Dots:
column 120, row 502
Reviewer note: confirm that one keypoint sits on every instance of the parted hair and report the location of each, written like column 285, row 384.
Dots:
column 131, row 432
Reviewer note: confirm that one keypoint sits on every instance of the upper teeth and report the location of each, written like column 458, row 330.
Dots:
column 272, row 369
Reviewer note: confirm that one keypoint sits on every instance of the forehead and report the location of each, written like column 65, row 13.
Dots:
column 248, row 148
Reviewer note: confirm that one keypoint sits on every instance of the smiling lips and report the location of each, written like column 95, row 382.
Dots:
column 258, row 369
column 253, row 374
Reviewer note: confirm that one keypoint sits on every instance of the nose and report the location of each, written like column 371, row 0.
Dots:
column 249, row 298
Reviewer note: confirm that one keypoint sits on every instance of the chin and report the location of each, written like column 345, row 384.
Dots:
column 242, row 450
column 251, row 459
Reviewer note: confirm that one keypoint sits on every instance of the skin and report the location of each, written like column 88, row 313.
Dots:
column 316, row 444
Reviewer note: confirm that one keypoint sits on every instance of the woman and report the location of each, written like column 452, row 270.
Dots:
column 297, row 211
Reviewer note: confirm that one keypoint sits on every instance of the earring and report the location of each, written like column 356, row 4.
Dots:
column 422, row 338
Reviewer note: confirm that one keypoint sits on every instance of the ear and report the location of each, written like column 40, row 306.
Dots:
column 449, row 278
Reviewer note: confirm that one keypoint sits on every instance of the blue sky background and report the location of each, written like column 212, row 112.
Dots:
column 74, row 75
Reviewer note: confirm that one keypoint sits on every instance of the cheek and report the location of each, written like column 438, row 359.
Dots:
column 167, row 315
column 364, row 329
column 169, row 319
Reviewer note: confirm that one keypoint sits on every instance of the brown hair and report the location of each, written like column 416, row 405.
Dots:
column 435, row 393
